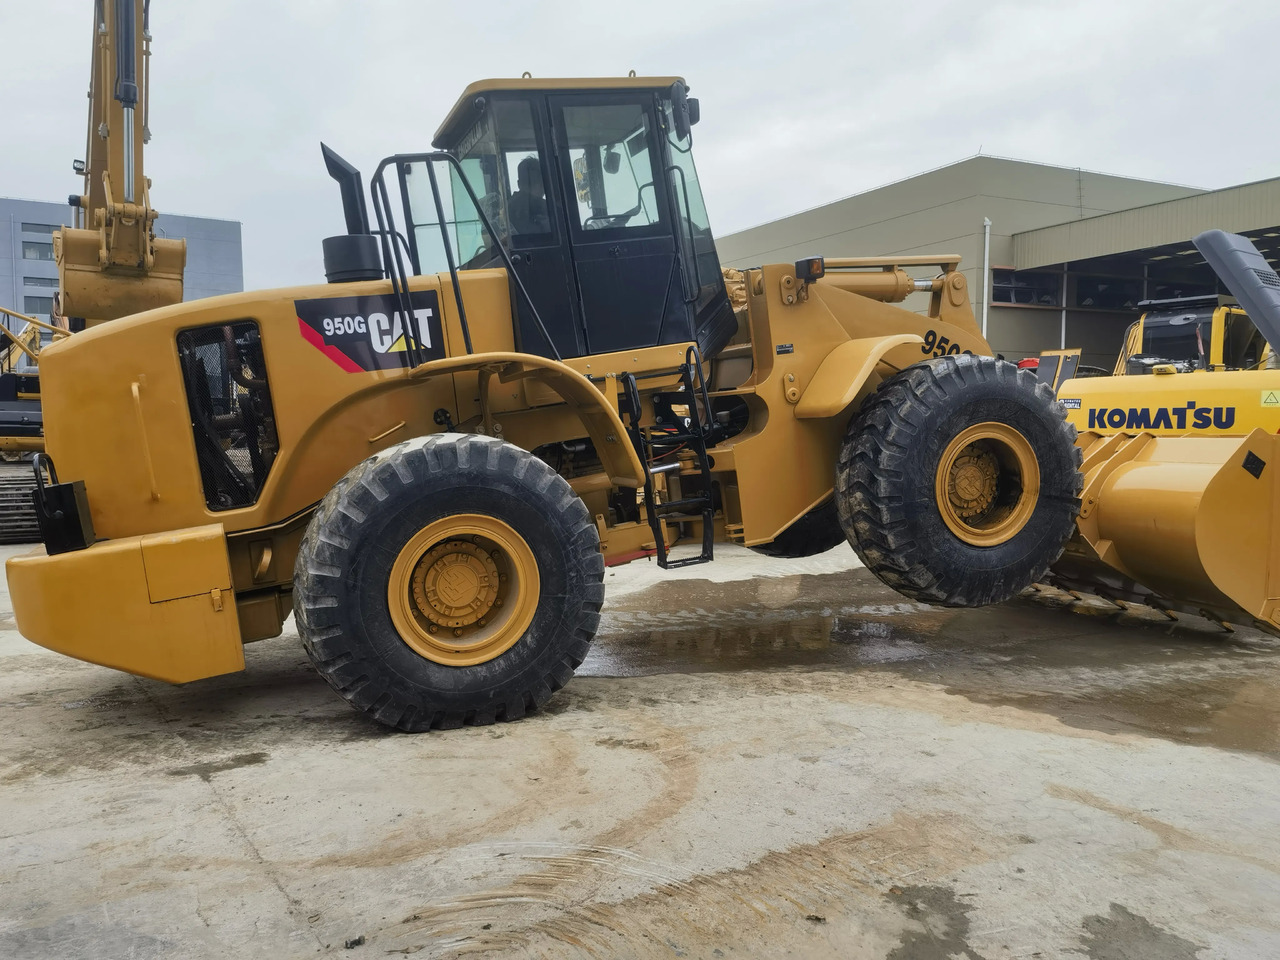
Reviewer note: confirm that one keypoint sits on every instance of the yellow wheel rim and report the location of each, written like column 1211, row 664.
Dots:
column 463, row 590
column 987, row 484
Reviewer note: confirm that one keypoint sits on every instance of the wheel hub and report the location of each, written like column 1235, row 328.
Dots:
column 987, row 483
column 972, row 484
column 463, row 589
column 455, row 584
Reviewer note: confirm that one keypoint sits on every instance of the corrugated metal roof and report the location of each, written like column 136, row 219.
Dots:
column 1250, row 206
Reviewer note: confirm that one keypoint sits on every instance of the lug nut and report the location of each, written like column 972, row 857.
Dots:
column 432, row 629
column 457, row 631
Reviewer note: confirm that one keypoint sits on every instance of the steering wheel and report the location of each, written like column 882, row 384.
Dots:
column 610, row 220
column 616, row 219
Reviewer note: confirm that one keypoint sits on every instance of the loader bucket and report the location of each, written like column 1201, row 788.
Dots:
column 1180, row 523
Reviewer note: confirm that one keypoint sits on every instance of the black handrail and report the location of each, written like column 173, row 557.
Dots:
column 400, row 238
column 382, row 209
column 688, row 218
column 448, row 250
column 393, row 263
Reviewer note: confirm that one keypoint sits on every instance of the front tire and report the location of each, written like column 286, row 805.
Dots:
column 451, row 579
column 958, row 483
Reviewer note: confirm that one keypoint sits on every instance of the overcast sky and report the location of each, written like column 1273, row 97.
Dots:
column 801, row 103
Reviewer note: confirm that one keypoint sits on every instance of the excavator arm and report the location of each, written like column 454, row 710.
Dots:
column 110, row 263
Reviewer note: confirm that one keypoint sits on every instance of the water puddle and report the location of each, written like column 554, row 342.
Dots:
column 1088, row 664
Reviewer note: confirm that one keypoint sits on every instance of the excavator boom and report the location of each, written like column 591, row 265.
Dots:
column 110, row 263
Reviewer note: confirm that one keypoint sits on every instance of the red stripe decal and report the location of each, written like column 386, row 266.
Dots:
column 333, row 353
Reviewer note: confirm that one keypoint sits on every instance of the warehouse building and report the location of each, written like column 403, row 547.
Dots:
column 1054, row 257
column 29, row 275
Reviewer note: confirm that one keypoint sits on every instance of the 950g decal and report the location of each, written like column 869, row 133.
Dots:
column 368, row 333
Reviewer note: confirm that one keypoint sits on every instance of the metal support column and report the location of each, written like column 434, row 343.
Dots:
column 1063, row 300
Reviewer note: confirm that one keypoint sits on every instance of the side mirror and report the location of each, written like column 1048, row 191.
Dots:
column 695, row 110
column 581, row 180
column 612, row 161
column 680, row 110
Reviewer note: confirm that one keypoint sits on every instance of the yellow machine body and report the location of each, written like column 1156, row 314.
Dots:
column 806, row 356
column 169, row 594
column 1201, row 403
column 1182, row 478
column 1181, row 523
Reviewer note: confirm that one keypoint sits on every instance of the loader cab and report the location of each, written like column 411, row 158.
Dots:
column 1193, row 333
column 591, row 190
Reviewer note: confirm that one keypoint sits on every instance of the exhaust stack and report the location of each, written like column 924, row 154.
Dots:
column 354, row 255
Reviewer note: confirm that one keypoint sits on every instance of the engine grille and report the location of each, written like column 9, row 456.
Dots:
column 231, row 414
column 1269, row 277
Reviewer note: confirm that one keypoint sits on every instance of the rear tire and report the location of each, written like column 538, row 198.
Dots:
column 816, row 532
column 958, row 483
column 377, row 595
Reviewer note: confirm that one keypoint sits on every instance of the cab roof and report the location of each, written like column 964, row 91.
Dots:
column 463, row 112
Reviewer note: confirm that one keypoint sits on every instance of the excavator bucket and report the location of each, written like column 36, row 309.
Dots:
column 96, row 290
column 1180, row 523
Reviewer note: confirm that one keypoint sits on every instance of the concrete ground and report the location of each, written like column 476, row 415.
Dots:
column 786, row 760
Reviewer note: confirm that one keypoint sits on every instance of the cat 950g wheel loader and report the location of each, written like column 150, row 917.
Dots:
column 432, row 458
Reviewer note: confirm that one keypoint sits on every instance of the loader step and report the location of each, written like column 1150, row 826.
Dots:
column 691, row 433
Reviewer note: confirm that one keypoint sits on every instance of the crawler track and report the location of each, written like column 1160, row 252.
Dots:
column 17, row 512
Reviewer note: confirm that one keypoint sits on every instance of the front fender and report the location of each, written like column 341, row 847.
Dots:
column 844, row 373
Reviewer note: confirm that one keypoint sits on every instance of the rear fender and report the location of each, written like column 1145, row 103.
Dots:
column 387, row 412
column 599, row 417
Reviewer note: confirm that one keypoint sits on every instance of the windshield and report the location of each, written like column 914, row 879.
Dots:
column 697, row 244
column 504, row 166
column 1181, row 338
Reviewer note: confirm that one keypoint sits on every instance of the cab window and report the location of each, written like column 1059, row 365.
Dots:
column 610, row 153
column 504, row 165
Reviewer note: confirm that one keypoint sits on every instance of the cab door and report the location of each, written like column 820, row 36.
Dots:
column 617, row 211
column 535, row 236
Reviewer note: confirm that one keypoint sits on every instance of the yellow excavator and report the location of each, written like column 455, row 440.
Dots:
column 110, row 262
column 1179, row 507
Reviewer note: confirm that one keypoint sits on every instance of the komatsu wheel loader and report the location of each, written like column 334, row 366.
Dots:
column 537, row 372
column 1179, row 509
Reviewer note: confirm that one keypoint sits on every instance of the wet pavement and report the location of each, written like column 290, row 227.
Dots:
column 758, row 759
column 1086, row 663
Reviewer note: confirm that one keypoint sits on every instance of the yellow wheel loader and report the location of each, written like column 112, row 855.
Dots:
column 1179, row 508
column 528, row 367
